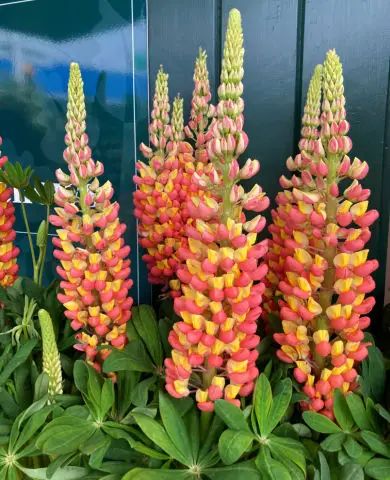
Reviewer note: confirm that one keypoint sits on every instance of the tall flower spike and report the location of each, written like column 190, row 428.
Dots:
column 8, row 252
column 318, row 261
column 164, row 187
column 201, row 110
column 301, row 163
column 50, row 355
column 221, row 278
column 90, row 246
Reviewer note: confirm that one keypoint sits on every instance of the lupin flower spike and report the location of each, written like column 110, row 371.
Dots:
column 164, row 186
column 50, row 355
column 8, row 252
column 318, row 261
column 221, row 278
column 201, row 110
column 90, row 246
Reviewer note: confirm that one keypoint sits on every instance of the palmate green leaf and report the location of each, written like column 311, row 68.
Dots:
column 288, row 448
column 262, row 402
column 126, row 382
column 66, row 473
column 334, row 442
column 191, row 419
column 358, row 412
column 376, row 443
column 373, row 416
column 33, row 424
column 324, row 467
column 145, row 322
column 133, row 358
column 175, row 427
column 351, row 471
column 59, row 462
column 64, row 435
column 154, row 430
column 353, row 449
column 383, row 413
column 239, row 471
column 320, row 423
column 231, row 415
column 269, row 468
column 140, row 393
column 215, row 431
column 279, row 406
column 107, row 398
column 342, row 412
column 374, row 374
column 20, row 357
column 378, row 468
column 41, row 386
column 8, row 404
column 233, row 444
column 158, row 474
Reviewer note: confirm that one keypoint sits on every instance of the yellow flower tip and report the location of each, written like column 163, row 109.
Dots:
column 201, row 395
column 232, row 390
column 321, row 336
column 337, row 348
column 325, row 374
column 219, row 382
column 181, row 387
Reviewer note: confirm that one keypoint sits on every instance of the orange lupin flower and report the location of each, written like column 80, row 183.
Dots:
column 8, row 252
column 222, row 277
column 164, row 187
column 318, row 261
column 94, row 266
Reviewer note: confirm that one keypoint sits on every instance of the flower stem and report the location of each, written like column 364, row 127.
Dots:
column 228, row 184
column 24, row 213
column 325, row 296
column 43, row 251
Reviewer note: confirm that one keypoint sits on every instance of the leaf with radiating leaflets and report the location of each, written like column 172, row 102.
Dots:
column 233, row 444
column 320, row 423
column 231, row 415
column 378, row 468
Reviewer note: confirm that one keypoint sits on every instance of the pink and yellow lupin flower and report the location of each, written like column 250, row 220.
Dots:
column 94, row 266
column 214, row 346
column 8, row 252
column 164, row 187
column 318, row 262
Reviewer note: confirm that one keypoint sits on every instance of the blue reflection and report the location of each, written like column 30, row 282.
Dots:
column 38, row 40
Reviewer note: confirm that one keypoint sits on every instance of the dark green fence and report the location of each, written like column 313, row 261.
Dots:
column 284, row 40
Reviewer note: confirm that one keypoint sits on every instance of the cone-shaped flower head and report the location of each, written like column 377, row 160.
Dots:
column 318, row 262
column 164, row 187
column 90, row 246
column 301, row 163
column 8, row 252
column 201, row 110
column 50, row 355
column 221, row 278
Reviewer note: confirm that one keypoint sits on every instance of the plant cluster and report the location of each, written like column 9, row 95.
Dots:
column 256, row 364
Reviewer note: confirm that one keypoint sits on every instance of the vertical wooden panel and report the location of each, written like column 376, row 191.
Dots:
column 270, row 38
column 176, row 31
column 358, row 30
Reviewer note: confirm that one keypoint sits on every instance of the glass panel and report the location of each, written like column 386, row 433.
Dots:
column 38, row 40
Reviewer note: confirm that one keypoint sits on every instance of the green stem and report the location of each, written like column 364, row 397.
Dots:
column 228, row 184
column 43, row 251
column 205, row 420
column 24, row 213
column 325, row 297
